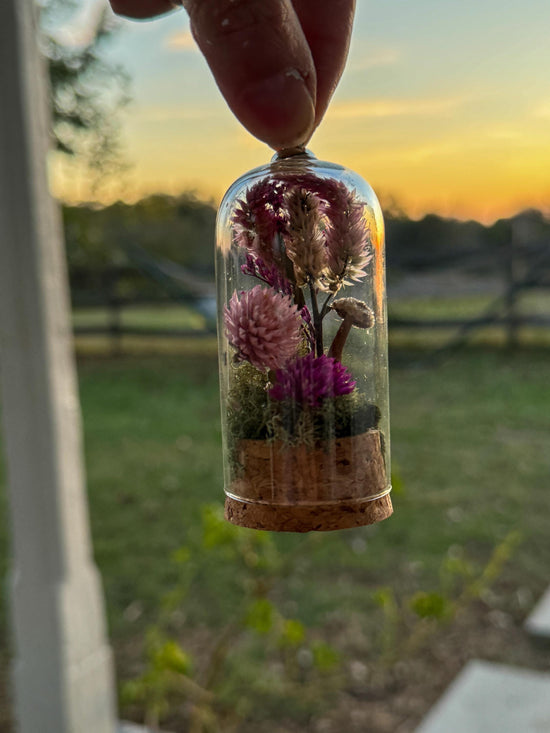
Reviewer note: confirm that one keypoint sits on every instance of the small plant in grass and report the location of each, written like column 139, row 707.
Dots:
column 408, row 622
column 259, row 658
column 168, row 675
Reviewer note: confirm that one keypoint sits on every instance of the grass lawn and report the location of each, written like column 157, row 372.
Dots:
column 531, row 302
column 469, row 442
column 169, row 316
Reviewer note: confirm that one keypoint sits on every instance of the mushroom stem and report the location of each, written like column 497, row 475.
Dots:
column 337, row 346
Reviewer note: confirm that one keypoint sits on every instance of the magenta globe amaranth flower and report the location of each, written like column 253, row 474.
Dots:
column 263, row 326
column 312, row 379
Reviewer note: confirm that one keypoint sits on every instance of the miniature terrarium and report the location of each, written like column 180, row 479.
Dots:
column 303, row 348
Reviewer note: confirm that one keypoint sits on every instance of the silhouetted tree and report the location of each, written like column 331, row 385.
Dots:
column 87, row 91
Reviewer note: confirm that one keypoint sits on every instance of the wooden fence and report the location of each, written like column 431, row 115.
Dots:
column 146, row 282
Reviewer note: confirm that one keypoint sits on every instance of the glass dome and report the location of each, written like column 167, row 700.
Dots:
column 302, row 334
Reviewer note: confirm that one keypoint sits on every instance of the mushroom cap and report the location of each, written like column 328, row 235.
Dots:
column 360, row 314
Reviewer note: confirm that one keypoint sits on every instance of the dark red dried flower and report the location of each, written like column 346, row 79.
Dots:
column 269, row 274
column 259, row 218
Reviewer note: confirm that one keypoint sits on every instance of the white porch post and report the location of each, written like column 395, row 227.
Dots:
column 62, row 671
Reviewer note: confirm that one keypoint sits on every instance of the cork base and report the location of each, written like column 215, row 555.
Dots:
column 308, row 518
column 343, row 469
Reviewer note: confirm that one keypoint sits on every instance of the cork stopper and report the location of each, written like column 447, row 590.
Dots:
column 286, row 488
column 313, row 518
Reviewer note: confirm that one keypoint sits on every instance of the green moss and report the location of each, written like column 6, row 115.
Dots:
column 252, row 416
column 248, row 403
column 339, row 417
column 354, row 414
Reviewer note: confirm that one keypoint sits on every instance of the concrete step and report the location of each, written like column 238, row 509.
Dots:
column 538, row 621
column 492, row 698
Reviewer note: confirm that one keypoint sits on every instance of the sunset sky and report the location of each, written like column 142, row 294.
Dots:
column 444, row 107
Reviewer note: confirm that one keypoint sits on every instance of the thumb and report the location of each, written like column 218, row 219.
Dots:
column 262, row 64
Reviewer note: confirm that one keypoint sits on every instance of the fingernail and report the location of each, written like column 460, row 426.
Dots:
column 281, row 108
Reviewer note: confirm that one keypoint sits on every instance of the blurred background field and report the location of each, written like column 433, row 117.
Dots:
column 220, row 630
column 216, row 629
column 469, row 438
column 469, row 446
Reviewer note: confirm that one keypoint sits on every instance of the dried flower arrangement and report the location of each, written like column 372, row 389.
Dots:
column 301, row 433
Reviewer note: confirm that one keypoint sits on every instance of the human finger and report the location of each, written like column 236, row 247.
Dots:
column 141, row 8
column 262, row 64
column 327, row 27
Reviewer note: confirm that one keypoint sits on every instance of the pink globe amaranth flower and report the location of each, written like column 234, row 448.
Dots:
column 263, row 326
column 312, row 379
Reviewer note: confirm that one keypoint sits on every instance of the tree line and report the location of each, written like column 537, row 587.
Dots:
column 182, row 229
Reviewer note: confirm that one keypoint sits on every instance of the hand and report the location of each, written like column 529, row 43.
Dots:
column 276, row 62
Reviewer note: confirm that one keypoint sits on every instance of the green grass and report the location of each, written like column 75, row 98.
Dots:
column 471, row 436
column 532, row 302
column 470, row 441
column 168, row 316
column 152, row 452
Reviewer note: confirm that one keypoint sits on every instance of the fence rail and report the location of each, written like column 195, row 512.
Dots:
column 121, row 331
column 450, row 323
column 522, row 268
